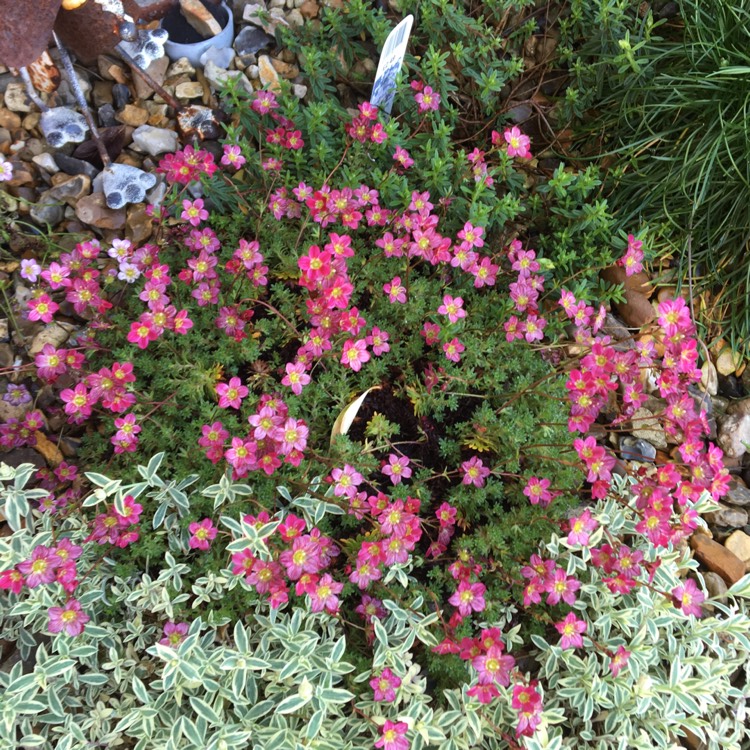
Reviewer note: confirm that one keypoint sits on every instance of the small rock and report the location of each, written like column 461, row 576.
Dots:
column 120, row 95
column 252, row 72
column 132, row 115
column 267, row 73
column 734, row 433
column 251, row 10
column 71, row 165
column 636, row 311
column 107, row 116
column 738, row 495
column 251, row 40
column 647, row 427
column 47, row 162
column 299, row 90
column 636, row 449
column 158, row 71
column 155, row 141
column 715, row 585
column 9, row 119
column 70, row 190
column 709, row 378
column 183, row 66
column 200, row 18
column 20, row 456
column 295, row 18
column 728, row 362
column 219, row 56
column 284, row 69
column 102, row 93
column 16, row 99
column 309, row 9
column 93, row 210
column 717, row 558
column 54, row 333
column 139, row 226
column 23, row 174
column 47, row 210
column 189, row 90
column 733, row 518
column 739, row 545
column 111, row 69
column 216, row 76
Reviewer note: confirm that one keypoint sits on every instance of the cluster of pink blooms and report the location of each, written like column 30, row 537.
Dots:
column 274, row 435
column 525, row 293
column 632, row 261
column 183, row 167
column 514, row 141
column 117, row 527
column 365, row 126
column 427, row 100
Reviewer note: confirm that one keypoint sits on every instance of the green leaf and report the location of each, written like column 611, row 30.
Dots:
column 292, row 703
column 204, row 710
column 335, row 695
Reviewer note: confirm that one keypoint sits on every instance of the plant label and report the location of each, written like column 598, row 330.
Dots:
column 391, row 59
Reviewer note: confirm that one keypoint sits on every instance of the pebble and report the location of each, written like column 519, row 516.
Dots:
column 727, row 516
column 47, row 210
column 158, row 71
column 739, row 545
column 717, row 558
column 267, row 73
column 220, row 56
column 216, row 76
column 285, row 69
column 637, row 449
column 715, row 585
column 139, row 226
column 16, row 99
column 9, row 119
column 189, row 90
column 121, row 95
column 107, row 116
column 56, row 333
column 71, row 189
column 155, row 141
column 132, row 115
column 299, row 90
column 295, row 18
column 734, row 433
column 93, row 210
column 71, row 165
column 251, row 40
column 47, row 162
column 738, row 495
column 183, row 66
column 309, row 9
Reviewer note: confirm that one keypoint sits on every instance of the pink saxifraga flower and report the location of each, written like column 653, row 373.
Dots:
column 393, row 736
column 202, row 534
column 468, row 597
column 69, row 619
column 174, row 634
column 688, row 597
column 474, row 471
column 194, row 212
column 571, row 629
column 518, row 143
column 397, row 468
column 384, row 685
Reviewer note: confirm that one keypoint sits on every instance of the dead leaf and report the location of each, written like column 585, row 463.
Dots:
column 348, row 415
column 48, row 449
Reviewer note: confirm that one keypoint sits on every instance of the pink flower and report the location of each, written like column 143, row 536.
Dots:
column 393, row 736
column 537, row 491
column 6, row 170
column 296, row 377
column 581, row 527
column 468, row 597
column 323, row 595
column 632, row 260
column 11, row 580
column 688, row 598
column 384, row 685
column 194, row 212
column 202, row 534
column 493, row 667
column 142, row 333
column 571, row 629
column 293, row 436
column 397, row 468
column 174, row 634
column 471, row 236
column 69, row 618
column 453, row 308
column 402, row 157
column 453, row 350
column 427, row 99
column 395, row 291
column 355, row 354
column 562, row 587
column 231, row 394
column 347, row 480
column 475, row 472
column 378, row 340
column 42, row 308
column 518, row 143
column 619, row 660
column 232, row 156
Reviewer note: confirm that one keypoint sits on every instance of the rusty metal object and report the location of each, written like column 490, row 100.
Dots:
column 102, row 28
column 25, row 30
column 45, row 75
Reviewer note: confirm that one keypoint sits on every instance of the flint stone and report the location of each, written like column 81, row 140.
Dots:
column 155, row 141
column 734, row 431
column 251, row 40
column 637, row 449
column 220, row 56
column 715, row 586
column 727, row 516
column 47, row 210
column 189, row 90
column 16, row 99
column 93, row 210
column 738, row 495
column 46, row 162
column 54, row 333
column 71, row 165
column 72, row 189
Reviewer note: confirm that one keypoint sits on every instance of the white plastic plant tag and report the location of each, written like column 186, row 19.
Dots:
column 391, row 58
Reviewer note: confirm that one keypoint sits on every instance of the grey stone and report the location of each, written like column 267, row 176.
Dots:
column 252, row 40
column 715, row 586
column 738, row 494
column 47, row 210
column 121, row 95
column 107, row 117
column 155, row 141
column 727, row 516
column 47, row 162
column 216, row 76
column 636, row 449
column 71, row 165
column 734, row 434
column 646, row 427
column 219, row 56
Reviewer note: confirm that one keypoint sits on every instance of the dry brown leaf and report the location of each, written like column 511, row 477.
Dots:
column 48, row 449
